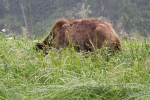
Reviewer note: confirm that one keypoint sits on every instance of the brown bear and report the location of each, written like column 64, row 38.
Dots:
column 86, row 34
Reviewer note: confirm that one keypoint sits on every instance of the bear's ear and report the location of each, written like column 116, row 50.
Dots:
column 60, row 23
column 39, row 46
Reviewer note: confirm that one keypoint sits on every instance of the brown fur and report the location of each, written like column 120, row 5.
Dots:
column 84, row 34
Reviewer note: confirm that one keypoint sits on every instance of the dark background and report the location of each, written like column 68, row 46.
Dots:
column 126, row 16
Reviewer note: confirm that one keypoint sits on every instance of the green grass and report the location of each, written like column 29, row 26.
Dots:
column 67, row 75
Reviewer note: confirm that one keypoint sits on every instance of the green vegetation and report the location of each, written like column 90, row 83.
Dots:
column 26, row 74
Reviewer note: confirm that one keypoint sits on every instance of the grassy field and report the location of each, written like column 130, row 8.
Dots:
column 26, row 74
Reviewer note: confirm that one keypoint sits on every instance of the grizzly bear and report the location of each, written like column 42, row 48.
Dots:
column 87, row 34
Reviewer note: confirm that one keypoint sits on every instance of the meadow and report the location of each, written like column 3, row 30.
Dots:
column 27, row 74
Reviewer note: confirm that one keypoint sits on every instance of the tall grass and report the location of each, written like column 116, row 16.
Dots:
column 26, row 74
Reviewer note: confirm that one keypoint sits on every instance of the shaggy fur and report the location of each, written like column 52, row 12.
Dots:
column 86, row 34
